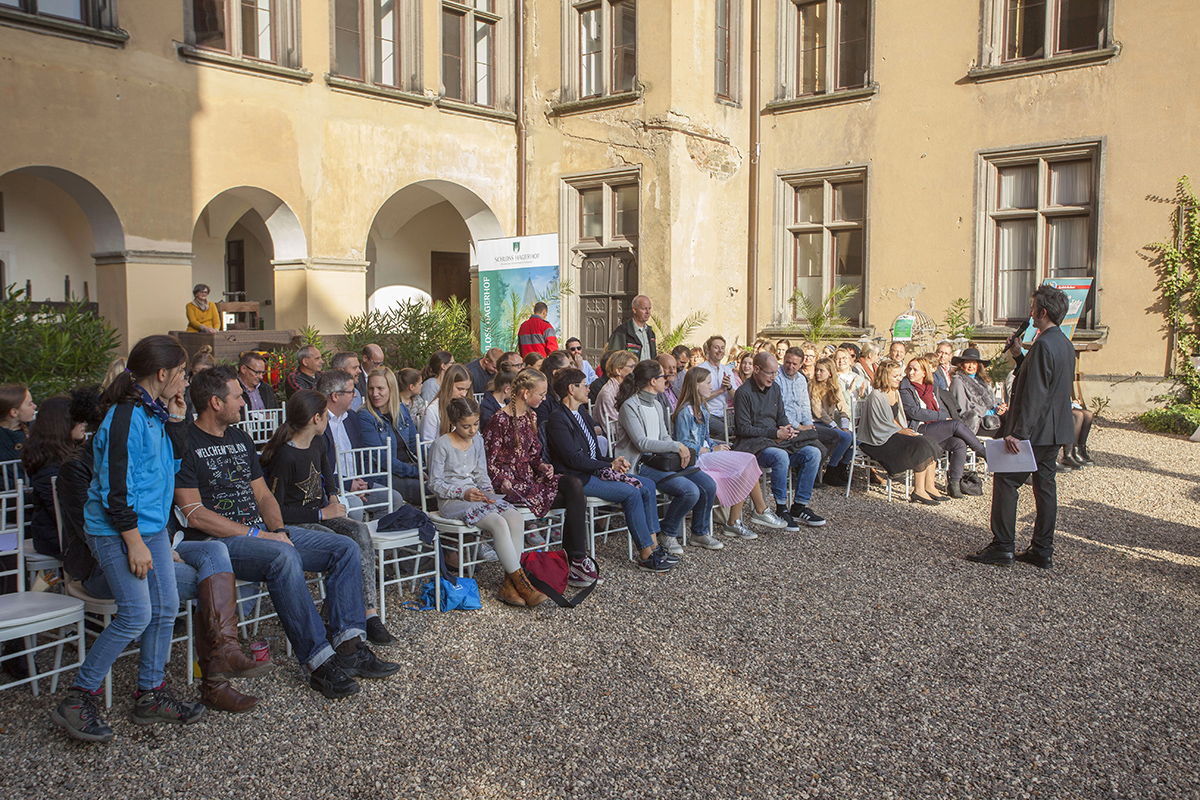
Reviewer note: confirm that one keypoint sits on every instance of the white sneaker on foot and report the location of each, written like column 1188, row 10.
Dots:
column 487, row 552
column 670, row 543
column 768, row 519
column 707, row 542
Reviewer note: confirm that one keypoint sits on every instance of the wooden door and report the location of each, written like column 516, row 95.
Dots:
column 607, row 287
column 450, row 276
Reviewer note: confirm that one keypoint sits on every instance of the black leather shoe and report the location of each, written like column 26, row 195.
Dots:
column 992, row 554
column 1082, row 454
column 925, row 501
column 1028, row 556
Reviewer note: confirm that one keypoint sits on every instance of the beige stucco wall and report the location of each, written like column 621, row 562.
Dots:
column 45, row 238
column 921, row 133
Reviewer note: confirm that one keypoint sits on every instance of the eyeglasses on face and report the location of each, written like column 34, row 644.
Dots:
column 575, row 349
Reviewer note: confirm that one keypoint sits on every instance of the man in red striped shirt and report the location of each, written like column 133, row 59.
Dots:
column 536, row 335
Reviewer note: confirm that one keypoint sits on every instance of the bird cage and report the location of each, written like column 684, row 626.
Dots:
column 924, row 329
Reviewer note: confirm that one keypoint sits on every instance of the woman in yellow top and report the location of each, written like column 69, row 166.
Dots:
column 203, row 316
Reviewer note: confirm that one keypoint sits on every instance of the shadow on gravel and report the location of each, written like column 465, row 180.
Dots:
column 1123, row 462
column 1137, row 536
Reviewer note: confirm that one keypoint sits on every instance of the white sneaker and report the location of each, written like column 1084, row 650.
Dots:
column 487, row 552
column 670, row 544
column 768, row 519
column 534, row 539
column 706, row 541
column 738, row 529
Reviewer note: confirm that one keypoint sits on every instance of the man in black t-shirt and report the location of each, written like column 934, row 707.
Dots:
column 220, row 489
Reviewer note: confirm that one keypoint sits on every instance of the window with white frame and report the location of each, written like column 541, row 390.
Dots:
column 823, row 243
column 375, row 41
column 825, row 46
column 600, row 40
column 258, row 30
column 93, row 13
column 469, row 50
column 1039, row 222
column 1029, row 30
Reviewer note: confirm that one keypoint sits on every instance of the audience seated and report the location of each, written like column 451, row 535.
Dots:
column 762, row 428
column 257, row 392
column 574, row 451
column 744, row 370
column 574, row 349
column 458, row 476
column 550, row 364
column 299, row 472
column 644, row 434
column 618, row 367
column 717, row 391
column 943, row 371
column 809, row 362
column 735, row 473
column 972, row 391
column 898, row 352
column 520, row 473
column 868, row 354
column 17, row 412
column 936, row 415
column 221, row 489
column 483, row 369
column 884, row 435
column 797, row 405
column 831, row 411
column 439, row 362
column 496, row 397
column 669, row 397
column 854, row 386
column 409, row 382
column 348, row 362
column 456, row 382
column 309, row 362
column 51, row 441
column 385, row 417
column 343, row 434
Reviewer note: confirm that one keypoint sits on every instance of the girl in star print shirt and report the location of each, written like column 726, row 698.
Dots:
column 299, row 472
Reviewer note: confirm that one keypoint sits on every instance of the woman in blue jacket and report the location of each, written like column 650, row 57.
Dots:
column 383, row 416
column 137, row 453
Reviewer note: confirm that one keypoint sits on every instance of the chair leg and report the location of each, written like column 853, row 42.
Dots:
column 380, row 557
column 191, row 643
column 29, row 642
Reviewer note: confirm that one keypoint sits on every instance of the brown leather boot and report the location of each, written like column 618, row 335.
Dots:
column 215, row 692
column 218, row 606
column 532, row 597
column 509, row 594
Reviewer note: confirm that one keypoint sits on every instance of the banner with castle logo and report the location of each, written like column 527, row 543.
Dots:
column 514, row 274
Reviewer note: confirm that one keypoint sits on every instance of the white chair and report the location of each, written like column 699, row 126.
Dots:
column 261, row 425
column 10, row 473
column 663, row 499
column 24, row 615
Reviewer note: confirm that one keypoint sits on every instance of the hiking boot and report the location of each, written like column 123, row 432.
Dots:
column 583, row 573
column 532, row 597
column 79, row 715
column 508, row 593
column 377, row 633
column 332, row 681
column 152, row 706
column 362, row 663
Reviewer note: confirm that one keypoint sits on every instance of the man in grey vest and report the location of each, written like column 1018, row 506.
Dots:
column 1040, row 412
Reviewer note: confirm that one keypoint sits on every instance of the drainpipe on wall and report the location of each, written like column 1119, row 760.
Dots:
column 520, row 65
column 752, row 224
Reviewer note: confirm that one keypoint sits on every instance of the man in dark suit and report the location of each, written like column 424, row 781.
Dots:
column 343, row 434
column 1040, row 412
column 636, row 335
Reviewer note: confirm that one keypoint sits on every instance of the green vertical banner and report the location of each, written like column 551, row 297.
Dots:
column 514, row 274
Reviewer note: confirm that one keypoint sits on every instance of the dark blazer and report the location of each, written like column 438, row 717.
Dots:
column 567, row 444
column 1040, row 410
column 265, row 392
column 624, row 338
column 940, row 381
column 917, row 413
column 354, row 434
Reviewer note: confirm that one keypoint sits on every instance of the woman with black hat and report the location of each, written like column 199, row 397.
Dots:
column 972, row 390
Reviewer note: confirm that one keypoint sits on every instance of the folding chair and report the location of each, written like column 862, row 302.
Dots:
column 261, row 425
column 24, row 615
column 864, row 462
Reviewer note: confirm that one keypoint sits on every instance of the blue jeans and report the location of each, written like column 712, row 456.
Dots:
column 201, row 560
column 840, row 452
column 641, row 512
column 694, row 493
column 779, row 461
column 282, row 567
column 145, row 607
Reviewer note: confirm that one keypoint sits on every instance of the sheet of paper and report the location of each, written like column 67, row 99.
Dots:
column 1000, row 460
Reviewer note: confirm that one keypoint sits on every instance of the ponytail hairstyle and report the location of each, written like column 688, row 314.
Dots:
column 639, row 379
column 301, row 408
column 500, row 380
column 49, row 439
column 564, row 379
column 553, row 363
column 408, row 377
column 457, row 373
column 12, row 395
column 527, row 380
column 147, row 357
column 459, row 409
column 436, row 361
column 689, row 392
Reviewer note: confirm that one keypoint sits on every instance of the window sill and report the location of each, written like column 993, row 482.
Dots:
column 340, row 84
column 1084, row 339
column 822, row 100
column 1069, row 61
column 795, row 330
column 470, row 110
column 49, row 26
column 595, row 103
column 209, row 58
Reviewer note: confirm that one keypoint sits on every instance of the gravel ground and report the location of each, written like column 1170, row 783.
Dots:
column 865, row 659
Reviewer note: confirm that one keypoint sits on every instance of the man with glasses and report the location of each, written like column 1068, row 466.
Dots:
column 256, row 392
column 344, row 434
column 762, row 428
column 941, row 375
column 575, row 351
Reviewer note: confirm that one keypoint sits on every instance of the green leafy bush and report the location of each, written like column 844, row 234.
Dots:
column 1177, row 263
column 957, row 322
column 669, row 338
column 411, row 331
column 1172, row 419
column 52, row 349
